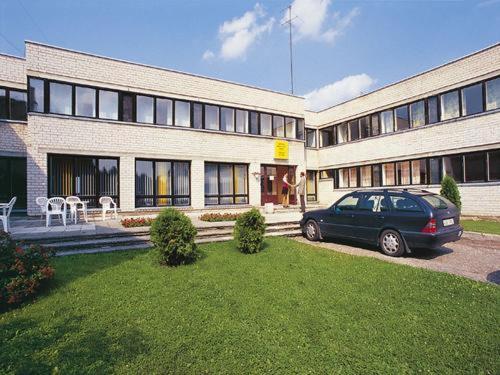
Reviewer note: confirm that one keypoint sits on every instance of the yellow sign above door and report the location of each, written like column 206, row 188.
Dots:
column 280, row 149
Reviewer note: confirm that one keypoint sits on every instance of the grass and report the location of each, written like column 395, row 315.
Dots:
column 483, row 226
column 292, row 308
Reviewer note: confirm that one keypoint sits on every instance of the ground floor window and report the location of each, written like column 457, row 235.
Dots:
column 86, row 177
column 13, row 181
column 311, row 186
column 161, row 183
column 226, row 183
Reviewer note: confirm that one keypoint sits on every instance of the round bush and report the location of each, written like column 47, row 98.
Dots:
column 249, row 231
column 172, row 233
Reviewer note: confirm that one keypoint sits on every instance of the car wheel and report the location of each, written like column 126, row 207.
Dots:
column 312, row 232
column 391, row 243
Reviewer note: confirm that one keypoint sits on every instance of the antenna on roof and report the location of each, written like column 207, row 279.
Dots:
column 289, row 22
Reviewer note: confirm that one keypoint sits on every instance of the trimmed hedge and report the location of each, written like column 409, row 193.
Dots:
column 449, row 190
column 249, row 231
column 137, row 222
column 216, row 216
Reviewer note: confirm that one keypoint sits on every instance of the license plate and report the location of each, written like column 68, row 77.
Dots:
column 448, row 222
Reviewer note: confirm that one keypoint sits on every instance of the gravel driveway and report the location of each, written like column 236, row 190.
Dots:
column 475, row 256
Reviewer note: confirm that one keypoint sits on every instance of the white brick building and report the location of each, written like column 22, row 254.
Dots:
column 152, row 137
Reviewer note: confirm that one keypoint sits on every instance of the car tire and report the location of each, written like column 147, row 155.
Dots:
column 391, row 243
column 311, row 231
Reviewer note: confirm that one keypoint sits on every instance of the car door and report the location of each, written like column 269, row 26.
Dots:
column 340, row 219
column 370, row 217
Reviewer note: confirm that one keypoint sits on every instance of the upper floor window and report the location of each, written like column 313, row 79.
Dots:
column 211, row 117
column 326, row 137
column 375, row 128
column 164, row 111
column 254, row 123
column 472, row 99
column 242, row 121
column 197, row 115
column 37, row 95
column 449, row 105
column 61, row 98
column 492, row 94
column 310, row 137
column 127, row 113
column 17, row 105
column 432, row 110
column 342, row 133
column 300, row 128
column 3, row 103
column 402, row 118
column 290, row 126
column 387, row 121
column 353, row 130
column 417, row 114
column 182, row 114
column 108, row 104
column 364, row 127
column 85, row 101
column 265, row 124
column 145, row 109
column 227, row 119
column 278, row 126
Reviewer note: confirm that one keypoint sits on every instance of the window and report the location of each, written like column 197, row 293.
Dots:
column 3, row 103
column 453, row 166
column 353, row 177
column 437, row 201
column 197, row 115
column 13, row 181
column 108, row 104
column 418, row 172
column 342, row 133
column 388, row 174
column 326, row 137
column 37, row 95
column 227, row 119
column 265, row 124
column 375, row 125
column 242, row 121
column 311, row 186
column 404, row 204
column 371, row 202
column 18, row 105
column 494, row 165
column 364, row 127
column 310, row 137
column 376, row 169
column 472, row 99
column 449, row 105
column 343, row 178
column 86, row 177
column 403, row 172
column 353, row 130
column 402, row 118
column 226, row 184
column 182, row 114
column 432, row 110
column 127, row 113
column 278, row 126
column 211, row 117
column 417, row 113
column 300, row 128
column 492, row 94
column 349, row 203
column 145, row 109
column 435, row 170
column 366, row 175
column 61, row 99
column 254, row 123
column 290, row 126
column 475, row 167
column 164, row 111
column 387, row 121
column 85, row 101
column 325, row 173
column 161, row 183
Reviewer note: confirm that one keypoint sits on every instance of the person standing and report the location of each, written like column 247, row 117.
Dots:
column 285, row 190
column 301, row 191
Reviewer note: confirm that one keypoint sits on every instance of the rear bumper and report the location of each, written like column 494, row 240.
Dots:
column 432, row 240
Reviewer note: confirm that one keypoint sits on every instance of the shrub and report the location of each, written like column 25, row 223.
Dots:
column 449, row 190
column 216, row 216
column 23, row 271
column 137, row 222
column 173, row 235
column 249, row 231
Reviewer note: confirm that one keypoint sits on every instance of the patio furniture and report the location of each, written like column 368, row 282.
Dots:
column 42, row 203
column 6, row 210
column 108, row 204
column 55, row 207
column 76, row 206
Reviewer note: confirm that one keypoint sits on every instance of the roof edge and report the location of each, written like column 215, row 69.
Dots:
column 13, row 56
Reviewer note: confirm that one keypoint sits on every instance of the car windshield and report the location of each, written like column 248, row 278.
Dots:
column 437, row 201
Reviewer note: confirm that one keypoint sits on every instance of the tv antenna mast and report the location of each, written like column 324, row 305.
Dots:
column 289, row 23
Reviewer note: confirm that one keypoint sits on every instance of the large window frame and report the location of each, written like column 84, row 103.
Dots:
column 234, row 195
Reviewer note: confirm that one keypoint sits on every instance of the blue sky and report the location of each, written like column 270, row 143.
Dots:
column 341, row 48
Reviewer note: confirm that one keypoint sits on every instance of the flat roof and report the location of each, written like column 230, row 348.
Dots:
column 12, row 56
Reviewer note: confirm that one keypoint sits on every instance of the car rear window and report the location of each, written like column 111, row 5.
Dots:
column 437, row 201
column 401, row 203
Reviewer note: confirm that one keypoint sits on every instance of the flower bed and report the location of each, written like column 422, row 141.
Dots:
column 216, row 216
column 133, row 222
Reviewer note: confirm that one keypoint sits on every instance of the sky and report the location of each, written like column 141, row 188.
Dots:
column 341, row 49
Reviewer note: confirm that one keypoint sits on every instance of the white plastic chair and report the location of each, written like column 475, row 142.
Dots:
column 6, row 210
column 108, row 204
column 56, row 207
column 76, row 206
column 42, row 203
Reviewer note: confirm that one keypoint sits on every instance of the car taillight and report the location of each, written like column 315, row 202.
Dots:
column 431, row 227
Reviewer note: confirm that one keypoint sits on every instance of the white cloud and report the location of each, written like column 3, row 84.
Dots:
column 312, row 20
column 208, row 55
column 337, row 92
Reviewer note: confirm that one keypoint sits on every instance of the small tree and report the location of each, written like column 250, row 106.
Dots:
column 449, row 190
column 249, row 231
column 173, row 235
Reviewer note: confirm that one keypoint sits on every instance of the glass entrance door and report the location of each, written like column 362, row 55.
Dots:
column 271, row 183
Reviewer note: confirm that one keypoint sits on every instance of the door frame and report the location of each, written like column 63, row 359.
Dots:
column 265, row 197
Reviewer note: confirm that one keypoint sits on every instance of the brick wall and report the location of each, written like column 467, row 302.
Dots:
column 12, row 72
column 13, row 138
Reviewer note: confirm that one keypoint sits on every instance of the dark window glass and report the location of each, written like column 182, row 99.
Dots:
column 417, row 113
column 226, row 184
column 278, row 126
column 211, row 117
column 432, row 110
column 403, row 172
column 181, row 183
column 227, row 119
column 108, row 177
column 326, row 137
column 475, row 167
column 387, row 121
column 493, row 94
column 453, row 166
column 435, row 170
column 472, row 99
column 37, row 95
column 127, row 107
column 3, row 103
column 364, row 127
column 375, row 125
column 145, row 109
column 494, row 165
column 85, row 101
column 437, row 201
column 449, row 105
column 371, row 202
column 13, row 180
column 265, row 124
column 164, row 111
column 290, row 127
column 353, row 130
column 376, row 169
column 418, row 172
column 144, row 180
column 300, row 128
column 61, row 98
column 254, row 123
column 108, row 104
column 402, row 118
column 18, row 105
column 197, row 115
column 182, row 114
column 310, row 137
column 342, row 133
column 241, row 121
column 326, row 173
column 405, row 204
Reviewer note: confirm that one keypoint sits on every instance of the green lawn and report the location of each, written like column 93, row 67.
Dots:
column 483, row 226
column 292, row 308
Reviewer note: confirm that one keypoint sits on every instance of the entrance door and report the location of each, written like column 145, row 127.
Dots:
column 13, row 181
column 271, row 183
